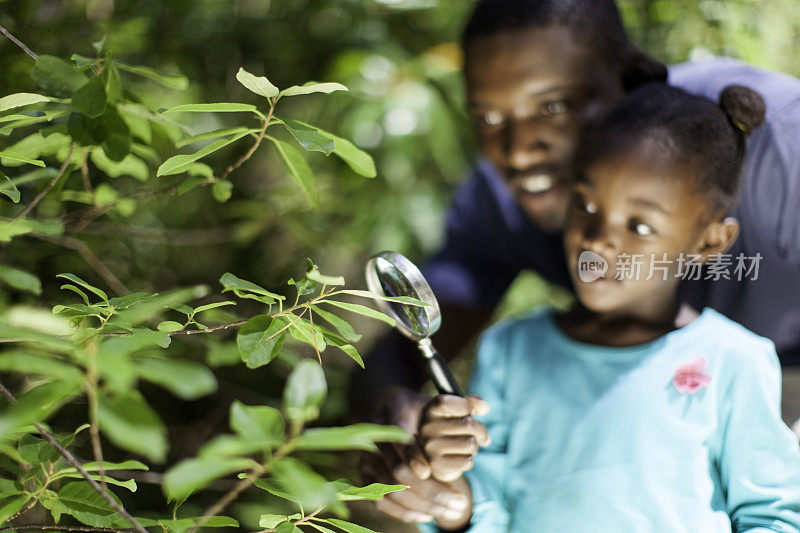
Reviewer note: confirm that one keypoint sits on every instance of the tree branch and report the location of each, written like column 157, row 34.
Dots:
column 20, row 44
column 228, row 498
column 64, row 528
column 49, row 186
column 74, row 462
column 98, row 266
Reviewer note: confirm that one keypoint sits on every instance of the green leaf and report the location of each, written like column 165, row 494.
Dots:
column 19, row 279
column 180, row 163
column 13, row 156
column 372, row 492
column 257, row 84
column 354, row 437
column 287, row 527
column 182, row 524
column 241, row 287
column 13, row 507
column 313, row 87
column 170, row 326
column 272, row 487
column 222, row 191
column 333, row 339
column 298, row 169
column 185, row 379
column 13, row 101
column 28, row 363
column 213, row 135
column 309, row 137
column 130, row 166
column 83, row 61
column 231, row 446
column 36, row 145
column 56, row 76
column 9, row 188
column 303, row 484
column 301, row 330
column 214, row 305
column 123, row 302
column 373, row 296
column 193, row 474
column 117, row 138
column 156, row 305
column 36, row 405
column 305, row 391
column 314, row 274
column 188, row 184
column 272, row 520
column 260, row 423
column 362, row 310
column 341, row 325
column 260, row 339
column 90, row 98
column 222, row 107
column 107, row 465
column 179, row 83
column 349, row 527
column 9, row 230
column 78, row 281
column 79, row 500
column 304, row 286
column 130, row 423
column 129, row 484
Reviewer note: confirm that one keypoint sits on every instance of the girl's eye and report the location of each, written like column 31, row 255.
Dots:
column 490, row 119
column 640, row 228
column 554, row 107
column 585, row 205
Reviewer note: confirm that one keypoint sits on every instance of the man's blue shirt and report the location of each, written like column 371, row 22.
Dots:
column 490, row 240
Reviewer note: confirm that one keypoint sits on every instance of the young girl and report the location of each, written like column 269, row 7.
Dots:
column 631, row 411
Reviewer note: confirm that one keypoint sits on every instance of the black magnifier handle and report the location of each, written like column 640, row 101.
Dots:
column 439, row 371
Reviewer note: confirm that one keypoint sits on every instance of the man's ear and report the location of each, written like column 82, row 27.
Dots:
column 718, row 237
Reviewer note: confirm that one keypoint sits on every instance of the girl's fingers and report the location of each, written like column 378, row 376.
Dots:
column 401, row 512
column 447, row 406
column 460, row 445
column 458, row 426
column 429, row 496
column 478, row 406
column 448, row 468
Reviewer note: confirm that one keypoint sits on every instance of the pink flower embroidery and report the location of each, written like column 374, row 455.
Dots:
column 690, row 376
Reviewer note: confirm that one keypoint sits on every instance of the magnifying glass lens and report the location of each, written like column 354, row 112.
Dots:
column 394, row 283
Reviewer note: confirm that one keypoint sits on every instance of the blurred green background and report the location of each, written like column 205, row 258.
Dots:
column 401, row 61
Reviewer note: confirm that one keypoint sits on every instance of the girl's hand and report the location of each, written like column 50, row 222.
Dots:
column 450, row 436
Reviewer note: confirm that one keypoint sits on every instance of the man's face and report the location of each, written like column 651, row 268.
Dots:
column 531, row 92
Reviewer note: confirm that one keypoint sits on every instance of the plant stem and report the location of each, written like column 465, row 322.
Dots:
column 74, row 462
column 239, row 162
column 49, row 185
column 91, row 395
column 64, row 528
column 228, row 497
column 18, row 43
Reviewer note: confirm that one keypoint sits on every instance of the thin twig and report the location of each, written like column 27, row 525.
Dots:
column 49, row 186
column 223, row 502
column 65, row 528
column 314, row 335
column 94, row 429
column 85, row 173
column 260, row 137
column 18, row 43
column 98, row 266
column 74, row 462
column 25, row 509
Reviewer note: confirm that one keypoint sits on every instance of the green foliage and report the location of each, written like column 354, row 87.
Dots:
column 101, row 152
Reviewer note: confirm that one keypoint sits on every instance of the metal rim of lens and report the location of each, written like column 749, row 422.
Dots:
column 412, row 274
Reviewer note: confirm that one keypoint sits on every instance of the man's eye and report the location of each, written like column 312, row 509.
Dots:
column 490, row 119
column 640, row 228
column 554, row 107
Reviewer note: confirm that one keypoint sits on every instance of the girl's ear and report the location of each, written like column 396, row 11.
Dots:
column 718, row 237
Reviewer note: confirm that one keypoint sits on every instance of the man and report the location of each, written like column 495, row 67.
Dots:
column 537, row 71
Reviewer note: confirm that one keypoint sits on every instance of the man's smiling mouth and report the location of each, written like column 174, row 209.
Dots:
column 537, row 183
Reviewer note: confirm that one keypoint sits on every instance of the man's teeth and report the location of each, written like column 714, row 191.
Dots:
column 537, row 184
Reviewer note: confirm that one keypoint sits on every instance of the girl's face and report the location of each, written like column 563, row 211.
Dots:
column 638, row 213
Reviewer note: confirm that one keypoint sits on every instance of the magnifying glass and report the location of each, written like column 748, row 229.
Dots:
column 392, row 274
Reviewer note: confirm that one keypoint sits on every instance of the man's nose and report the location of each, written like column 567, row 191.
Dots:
column 525, row 146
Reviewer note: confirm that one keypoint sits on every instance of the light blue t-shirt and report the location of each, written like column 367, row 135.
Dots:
column 592, row 438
